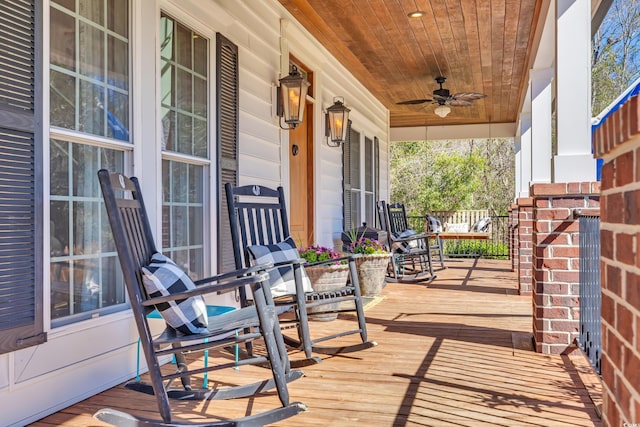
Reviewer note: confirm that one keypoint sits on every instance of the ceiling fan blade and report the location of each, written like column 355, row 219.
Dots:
column 468, row 96
column 414, row 101
column 459, row 103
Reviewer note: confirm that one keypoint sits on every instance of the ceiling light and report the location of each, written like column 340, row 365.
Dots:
column 442, row 110
column 416, row 14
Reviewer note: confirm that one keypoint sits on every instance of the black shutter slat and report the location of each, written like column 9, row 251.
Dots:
column 227, row 140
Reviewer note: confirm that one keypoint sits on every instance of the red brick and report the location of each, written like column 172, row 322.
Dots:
column 614, row 279
column 553, row 263
column 552, row 239
column 552, row 288
column 631, row 206
column 555, row 338
column 569, row 202
column 570, row 326
column 614, row 349
column 632, row 292
column 525, row 202
column 624, row 323
column 634, row 116
column 565, row 251
column 555, row 189
column 552, row 313
column 574, row 264
column 562, row 300
column 614, row 212
column 608, row 309
column 624, row 248
column 631, row 371
column 606, row 244
column 623, row 398
column 574, row 187
column 637, row 169
column 566, row 276
column 624, row 169
column 567, row 226
column 548, row 214
column 594, row 202
column 608, row 174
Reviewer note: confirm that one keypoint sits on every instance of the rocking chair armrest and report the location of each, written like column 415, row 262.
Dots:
column 207, row 289
column 259, row 268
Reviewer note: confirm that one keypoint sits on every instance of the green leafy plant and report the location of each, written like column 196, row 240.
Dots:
column 314, row 253
column 367, row 245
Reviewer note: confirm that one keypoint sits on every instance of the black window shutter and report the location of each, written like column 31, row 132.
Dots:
column 227, row 111
column 346, row 181
column 21, row 292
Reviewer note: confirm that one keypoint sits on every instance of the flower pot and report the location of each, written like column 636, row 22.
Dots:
column 326, row 278
column 372, row 270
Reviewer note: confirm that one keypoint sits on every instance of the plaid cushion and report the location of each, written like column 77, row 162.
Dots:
column 163, row 277
column 281, row 278
column 406, row 246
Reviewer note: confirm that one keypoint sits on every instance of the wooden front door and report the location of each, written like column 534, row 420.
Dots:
column 301, row 180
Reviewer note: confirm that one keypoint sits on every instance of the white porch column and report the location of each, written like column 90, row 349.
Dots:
column 518, row 162
column 525, row 155
column 541, row 101
column 574, row 160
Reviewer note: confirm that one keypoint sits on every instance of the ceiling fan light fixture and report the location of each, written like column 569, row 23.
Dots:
column 442, row 110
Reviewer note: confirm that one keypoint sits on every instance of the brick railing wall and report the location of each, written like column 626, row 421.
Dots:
column 525, row 245
column 617, row 141
column 514, row 238
column 556, row 269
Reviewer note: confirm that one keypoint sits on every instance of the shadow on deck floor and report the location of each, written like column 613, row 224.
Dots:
column 453, row 352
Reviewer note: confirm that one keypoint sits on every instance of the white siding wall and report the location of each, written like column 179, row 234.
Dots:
column 84, row 358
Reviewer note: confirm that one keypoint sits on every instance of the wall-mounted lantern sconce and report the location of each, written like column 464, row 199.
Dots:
column 337, row 119
column 292, row 95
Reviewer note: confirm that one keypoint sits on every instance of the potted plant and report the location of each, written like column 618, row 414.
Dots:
column 324, row 277
column 372, row 265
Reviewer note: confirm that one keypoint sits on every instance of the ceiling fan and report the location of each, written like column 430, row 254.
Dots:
column 443, row 98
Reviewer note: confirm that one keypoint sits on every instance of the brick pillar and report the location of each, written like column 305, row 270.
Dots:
column 525, row 245
column 514, row 240
column 617, row 141
column 556, row 267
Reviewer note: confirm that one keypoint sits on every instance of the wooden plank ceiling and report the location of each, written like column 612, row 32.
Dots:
column 478, row 45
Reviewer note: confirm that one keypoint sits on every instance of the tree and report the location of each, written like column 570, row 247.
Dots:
column 452, row 175
column 615, row 62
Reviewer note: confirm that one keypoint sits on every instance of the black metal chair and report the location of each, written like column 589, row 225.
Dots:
column 411, row 252
column 135, row 246
column 258, row 217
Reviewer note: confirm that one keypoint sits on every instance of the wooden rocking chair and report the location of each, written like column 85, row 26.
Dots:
column 258, row 219
column 411, row 252
column 142, row 266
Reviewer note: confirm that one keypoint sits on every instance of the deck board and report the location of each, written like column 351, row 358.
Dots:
column 452, row 352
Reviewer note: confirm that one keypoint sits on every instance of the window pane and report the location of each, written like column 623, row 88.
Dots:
column 63, row 40
column 118, row 56
column 354, row 145
column 91, row 54
column 368, row 164
column 89, row 66
column 184, row 89
column 93, row 10
column 118, row 17
column 63, row 95
column 85, row 275
column 183, row 215
column 69, row 4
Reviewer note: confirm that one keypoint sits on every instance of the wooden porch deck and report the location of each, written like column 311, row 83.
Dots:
column 454, row 352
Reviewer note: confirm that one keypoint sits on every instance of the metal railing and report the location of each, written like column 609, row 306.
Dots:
column 590, row 338
column 496, row 246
